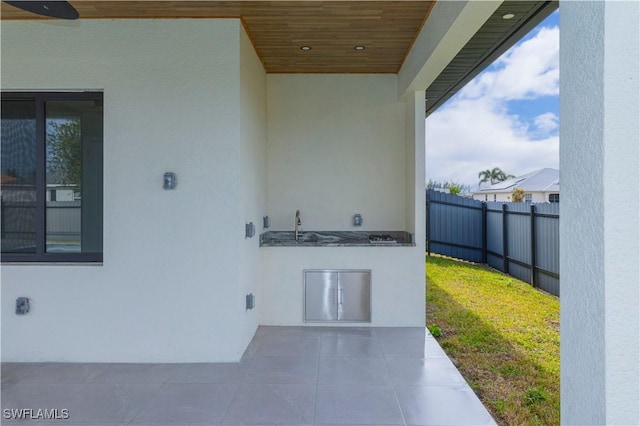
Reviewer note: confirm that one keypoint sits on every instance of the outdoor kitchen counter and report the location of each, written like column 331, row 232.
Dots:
column 337, row 239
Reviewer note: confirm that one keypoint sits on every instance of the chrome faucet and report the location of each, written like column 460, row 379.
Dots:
column 298, row 225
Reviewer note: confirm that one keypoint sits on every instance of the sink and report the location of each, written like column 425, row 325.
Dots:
column 314, row 237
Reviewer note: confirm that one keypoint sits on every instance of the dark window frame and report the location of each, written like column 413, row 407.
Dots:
column 556, row 198
column 41, row 255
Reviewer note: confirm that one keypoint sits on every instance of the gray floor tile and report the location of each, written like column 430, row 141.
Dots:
column 438, row 405
column 424, row 372
column 361, row 373
column 271, row 404
column 357, row 404
column 403, row 347
column 60, row 373
column 432, row 348
column 251, row 351
column 36, row 396
column 274, row 331
column 59, row 422
column 103, row 402
column 191, row 403
column 349, row 331
column 296, row 345
column 335, row 371
column 137, row 373
column 401, row 331
column 282, row 370
column 350, row 346
column 209, row 373
column 13, row 372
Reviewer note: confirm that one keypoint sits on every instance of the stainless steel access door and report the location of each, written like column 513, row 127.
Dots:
column 320, row 296
column 354, row 296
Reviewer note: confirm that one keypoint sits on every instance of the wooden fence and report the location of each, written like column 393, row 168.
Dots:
column 520, row 239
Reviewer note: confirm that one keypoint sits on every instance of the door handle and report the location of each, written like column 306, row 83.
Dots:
column 340, row 296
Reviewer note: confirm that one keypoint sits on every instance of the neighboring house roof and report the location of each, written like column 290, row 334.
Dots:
column 543, row 180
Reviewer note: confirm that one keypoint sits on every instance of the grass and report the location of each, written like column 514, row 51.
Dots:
column 503, row 336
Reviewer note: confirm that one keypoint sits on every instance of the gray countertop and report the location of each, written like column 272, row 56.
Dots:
column 334, row 239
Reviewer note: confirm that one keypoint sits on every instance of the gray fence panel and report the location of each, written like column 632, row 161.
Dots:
column 520, row 272
column 494, row 261
column 494, row 235
column 549, row 284
column 456, row 229
column 548, row 247
column 519, row 240
column 455, row 226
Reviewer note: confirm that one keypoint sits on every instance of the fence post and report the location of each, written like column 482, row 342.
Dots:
column 534, row 277
column 505, row 241
column 484, row 232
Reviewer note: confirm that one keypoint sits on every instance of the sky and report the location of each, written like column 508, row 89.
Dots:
column 506, row 117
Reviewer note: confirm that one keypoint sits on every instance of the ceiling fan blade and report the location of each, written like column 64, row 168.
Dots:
column 53, row 9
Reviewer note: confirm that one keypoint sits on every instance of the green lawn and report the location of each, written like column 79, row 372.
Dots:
column 503, row 336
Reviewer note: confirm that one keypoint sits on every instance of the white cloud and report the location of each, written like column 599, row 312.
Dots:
column 526, row 71
column 547, row 122
column 476, row 131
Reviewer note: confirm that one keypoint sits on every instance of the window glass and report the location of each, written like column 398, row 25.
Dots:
column 18, row 176
column 51, row 177
column 74, row 176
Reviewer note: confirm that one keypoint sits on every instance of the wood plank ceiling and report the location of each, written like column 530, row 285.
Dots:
column 279, row 29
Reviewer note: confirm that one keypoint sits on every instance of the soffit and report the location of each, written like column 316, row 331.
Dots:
column 494, row 38
column 278, row 29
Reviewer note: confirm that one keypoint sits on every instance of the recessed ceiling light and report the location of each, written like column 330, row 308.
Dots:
column 305, row 48
column 509, row 15
column 359, row 48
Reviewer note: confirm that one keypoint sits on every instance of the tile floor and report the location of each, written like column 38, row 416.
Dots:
column 288, row 375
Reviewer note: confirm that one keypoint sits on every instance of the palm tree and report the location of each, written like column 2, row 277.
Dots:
column 485, row 176
column 493, row 176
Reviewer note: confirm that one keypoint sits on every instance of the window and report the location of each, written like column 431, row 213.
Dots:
column 51, row 177
column 527, row 198
column 554, row 198
column 495, row 197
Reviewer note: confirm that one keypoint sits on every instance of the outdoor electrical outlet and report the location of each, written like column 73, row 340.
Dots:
column 250, row 301
column 22, row 305
column 249, row 230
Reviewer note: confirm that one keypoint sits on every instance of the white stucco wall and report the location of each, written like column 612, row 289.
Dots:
column 395, row 286
column 599, row 225
column 168, row 287
column 253, row 182
column 340, row 145
column 336, row 147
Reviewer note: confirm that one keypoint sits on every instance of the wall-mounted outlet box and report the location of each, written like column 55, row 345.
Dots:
column 249, row 230
column 22, row 305
column 250, row 301
column 169, row 180
column 357, row 219
column 266, row 223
